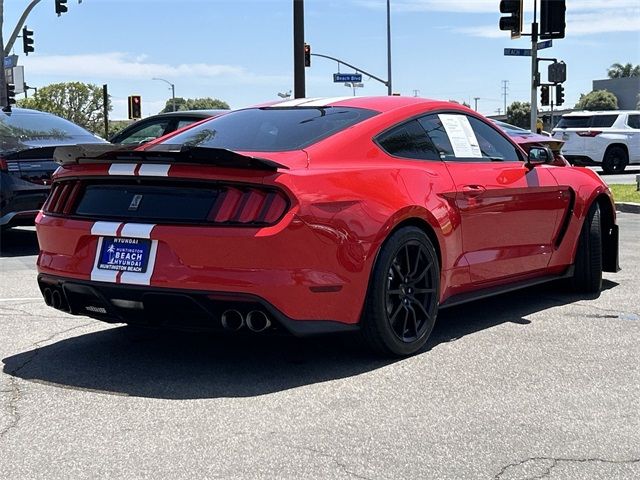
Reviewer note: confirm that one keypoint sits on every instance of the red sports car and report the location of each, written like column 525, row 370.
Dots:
column 318, row 215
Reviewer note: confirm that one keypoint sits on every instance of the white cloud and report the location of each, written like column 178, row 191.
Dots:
column 123, row 66
column 578, row 24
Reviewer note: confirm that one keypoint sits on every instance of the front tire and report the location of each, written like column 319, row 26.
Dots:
column 615, row 160
column 587, row 276
column 402, row 301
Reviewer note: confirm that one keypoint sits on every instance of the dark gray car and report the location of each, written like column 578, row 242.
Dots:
column 27, row 141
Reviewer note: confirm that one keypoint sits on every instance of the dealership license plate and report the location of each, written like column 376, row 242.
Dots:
column 124, row 254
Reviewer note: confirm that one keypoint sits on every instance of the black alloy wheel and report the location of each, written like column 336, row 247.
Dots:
column 615, row 160
column 403, row 294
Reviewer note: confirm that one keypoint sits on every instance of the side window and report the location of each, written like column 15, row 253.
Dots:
column 492, row 144
column 436, row 131
column 408, row 140
column 634, row 121
column 185, row 122
column 603, row 120
column 145, row 133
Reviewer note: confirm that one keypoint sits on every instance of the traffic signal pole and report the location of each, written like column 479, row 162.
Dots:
column 534, row 68
column 298, row 49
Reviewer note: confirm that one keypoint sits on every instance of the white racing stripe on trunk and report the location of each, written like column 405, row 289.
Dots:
column 154, row 170
column 137, row 230
column 142, row 278
column 105, row 229
column 122, row 169
column 102, row 275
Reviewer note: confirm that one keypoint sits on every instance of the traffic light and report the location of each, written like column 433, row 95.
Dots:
column 61, row 7
column 559, row 95
column 514, row 21
column 135, row 107
column 307, row 55
column 11, row 96
column 27, row 41
column 552, row 19
column 544, row 95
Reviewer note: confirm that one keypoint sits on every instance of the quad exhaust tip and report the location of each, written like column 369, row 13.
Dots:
column 232, row 320
column 257, row 321
column 47, row 297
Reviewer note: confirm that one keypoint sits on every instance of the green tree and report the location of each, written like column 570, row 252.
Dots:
column 519, row 114
column 617, row 70
column 206, row 103
column 597, row 100
column 78, row 102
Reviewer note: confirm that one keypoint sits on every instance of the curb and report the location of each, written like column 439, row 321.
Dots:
column 628, row 207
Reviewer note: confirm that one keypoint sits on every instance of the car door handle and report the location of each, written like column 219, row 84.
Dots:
column 473, row 190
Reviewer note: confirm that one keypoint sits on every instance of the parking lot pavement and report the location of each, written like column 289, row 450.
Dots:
column 534, row 384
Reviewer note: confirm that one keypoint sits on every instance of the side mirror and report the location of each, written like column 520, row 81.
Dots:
column 539, row 156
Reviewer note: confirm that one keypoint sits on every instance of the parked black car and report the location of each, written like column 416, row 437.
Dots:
column 156, row 126
column 27, row 141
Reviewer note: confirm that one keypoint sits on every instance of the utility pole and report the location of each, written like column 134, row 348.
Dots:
column 505, row 90
column 298, row 49
column 475, row 99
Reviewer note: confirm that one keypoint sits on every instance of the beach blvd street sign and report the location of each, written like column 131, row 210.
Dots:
column 526, row 52
column 347, row 77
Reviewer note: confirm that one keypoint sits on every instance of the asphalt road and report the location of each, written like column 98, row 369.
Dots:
column 534, row 384
column 627, row 177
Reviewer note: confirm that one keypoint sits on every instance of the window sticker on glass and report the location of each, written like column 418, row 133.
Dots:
column 461, row 135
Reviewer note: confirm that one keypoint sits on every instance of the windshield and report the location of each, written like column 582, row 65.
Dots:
column 19, row 130
column 272, row 129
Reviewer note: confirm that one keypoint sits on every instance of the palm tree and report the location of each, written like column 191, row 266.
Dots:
column 617, row 70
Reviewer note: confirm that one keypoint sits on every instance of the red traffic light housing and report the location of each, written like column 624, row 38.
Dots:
column 135, row 107
column 307, row 55
column 515, row 20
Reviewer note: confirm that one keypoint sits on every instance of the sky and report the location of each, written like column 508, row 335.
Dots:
column 240, row 51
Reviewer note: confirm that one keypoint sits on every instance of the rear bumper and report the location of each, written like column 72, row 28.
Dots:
column 301, row 273
column 169, row 308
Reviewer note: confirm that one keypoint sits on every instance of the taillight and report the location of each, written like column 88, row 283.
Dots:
column 589, row 133
column 63, row 197
column 246, row 206
column 3, row 165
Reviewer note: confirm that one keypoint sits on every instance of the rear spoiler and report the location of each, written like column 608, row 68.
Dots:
column 163, row 154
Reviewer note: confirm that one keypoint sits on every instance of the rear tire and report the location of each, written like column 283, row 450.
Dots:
column 402, row 301
column 587, row 277
column 615, row 160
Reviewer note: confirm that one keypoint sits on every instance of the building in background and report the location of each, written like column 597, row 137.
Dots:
column 626, row 89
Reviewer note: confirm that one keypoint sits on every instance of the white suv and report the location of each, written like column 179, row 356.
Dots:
column 610, row 140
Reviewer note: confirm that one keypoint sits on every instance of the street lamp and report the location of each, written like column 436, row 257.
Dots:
column 173, row 90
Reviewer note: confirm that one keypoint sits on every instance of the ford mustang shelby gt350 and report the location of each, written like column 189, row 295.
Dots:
column 318, row 215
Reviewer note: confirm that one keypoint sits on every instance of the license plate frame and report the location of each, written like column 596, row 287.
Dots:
column 124, row 254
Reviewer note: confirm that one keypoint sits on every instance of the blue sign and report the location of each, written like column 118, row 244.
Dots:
column 517, row 52
column 124, row 254
column 347, row 77
column 545, row 44
column 10, row 61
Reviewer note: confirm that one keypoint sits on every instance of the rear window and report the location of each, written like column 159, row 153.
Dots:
column 272, row 129
column 587, row 121
column 574, row 122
